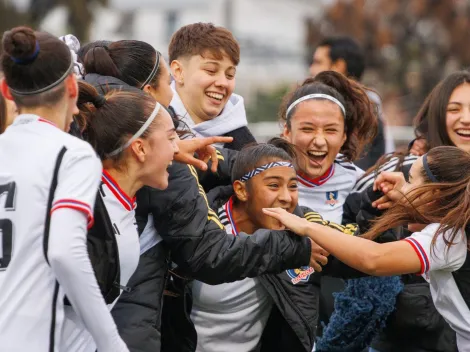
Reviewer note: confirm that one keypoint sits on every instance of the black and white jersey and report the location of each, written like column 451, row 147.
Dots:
column 326, row 194
column 389, row 166
column 31, row 301
column 438, row 266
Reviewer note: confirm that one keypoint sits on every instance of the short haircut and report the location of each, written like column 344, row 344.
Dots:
column 198, row 38
column 349, row 50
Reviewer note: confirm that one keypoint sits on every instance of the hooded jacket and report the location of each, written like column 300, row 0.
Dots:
column 231, row 122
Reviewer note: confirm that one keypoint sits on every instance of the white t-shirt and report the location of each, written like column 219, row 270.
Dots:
column 327, row 193
column 437, row 265
column 230, row 316
column 30, row 301
column 120, row 208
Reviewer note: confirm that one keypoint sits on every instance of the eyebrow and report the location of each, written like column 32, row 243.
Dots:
column 171, row 130
column 454, row 102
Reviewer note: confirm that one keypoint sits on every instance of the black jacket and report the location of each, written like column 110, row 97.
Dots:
column 415, row 325
column 294, row 316
column 194, row 239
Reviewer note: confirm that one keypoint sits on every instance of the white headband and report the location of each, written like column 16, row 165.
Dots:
column 138, row 133
column 316, row 96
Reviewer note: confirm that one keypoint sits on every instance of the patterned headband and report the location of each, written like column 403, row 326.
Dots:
column 262, row 168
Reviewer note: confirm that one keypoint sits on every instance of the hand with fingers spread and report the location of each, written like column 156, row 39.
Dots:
column 204, row 149
column 318, row 257
column 394, row 187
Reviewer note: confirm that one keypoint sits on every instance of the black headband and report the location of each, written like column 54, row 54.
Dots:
column 428, row 170
column 154, row 70
column 50, row 86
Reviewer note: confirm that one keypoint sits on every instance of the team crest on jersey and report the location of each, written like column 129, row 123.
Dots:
column 332, row 198
column 300, row 275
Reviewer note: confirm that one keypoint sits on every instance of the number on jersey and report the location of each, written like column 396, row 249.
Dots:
column 7, row 192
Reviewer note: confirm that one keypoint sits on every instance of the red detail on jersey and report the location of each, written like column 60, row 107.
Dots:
column 309, row 182
column 76, row 205
column 228, row 209
column 423, row 258
column 126, row 201
column 47, row 121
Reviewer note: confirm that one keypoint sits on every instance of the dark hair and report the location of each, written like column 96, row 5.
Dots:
column 113, row 118
column 197, row 38
column 32, row 61
column 253, row 156
column 450, row 206
column 3, row 114
column 349, row 50
column 132, row 61
column 430, row 122
column 360, row 121
column 87, row 47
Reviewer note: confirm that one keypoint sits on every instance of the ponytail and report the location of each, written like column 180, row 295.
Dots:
column 108, row 121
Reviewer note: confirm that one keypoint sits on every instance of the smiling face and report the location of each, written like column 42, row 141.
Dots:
column 317, row 129
column 204, row 84
column 275, row 187
column 159, row 149
column 458, row 117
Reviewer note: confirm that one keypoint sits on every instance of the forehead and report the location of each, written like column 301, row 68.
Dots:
column 322, row 52
column 318, row 111
column 209, row 56
column 460, row 93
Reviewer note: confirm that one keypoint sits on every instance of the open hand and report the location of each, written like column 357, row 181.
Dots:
column 290, row 221
column 394, row 187
column 205, row 151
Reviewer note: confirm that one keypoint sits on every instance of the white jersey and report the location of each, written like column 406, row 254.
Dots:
column 120, row 208
column 231, row 316
column 437, row 267
column 327, row 193
column 31, row 301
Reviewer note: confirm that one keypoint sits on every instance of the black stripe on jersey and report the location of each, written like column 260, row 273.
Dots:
column 390, row 166
column 51, row 200
column 53, row 318
column 101, row 190
column 346, row 164
column 116, row 230
column 223, row 216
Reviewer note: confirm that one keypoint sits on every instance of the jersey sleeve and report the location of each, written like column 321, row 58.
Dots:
column 78, row 181
column 438, row 256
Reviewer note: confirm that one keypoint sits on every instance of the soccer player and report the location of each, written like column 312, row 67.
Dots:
column 437, row 197
column 48, row 185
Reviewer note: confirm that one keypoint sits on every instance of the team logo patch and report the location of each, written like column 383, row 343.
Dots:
column 332, row 198
column 300, row 275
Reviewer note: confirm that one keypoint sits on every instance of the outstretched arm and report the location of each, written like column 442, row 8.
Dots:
column 367, row 256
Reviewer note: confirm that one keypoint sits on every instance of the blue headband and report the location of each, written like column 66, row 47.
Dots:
column 28, row 59
column 262, row 168
column 428, row 170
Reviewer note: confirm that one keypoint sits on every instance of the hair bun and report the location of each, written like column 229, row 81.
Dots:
column 20, row 44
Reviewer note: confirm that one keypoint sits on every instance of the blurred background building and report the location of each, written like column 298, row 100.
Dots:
column 410, row 44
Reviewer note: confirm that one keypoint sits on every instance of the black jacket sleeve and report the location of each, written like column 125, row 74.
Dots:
column 201, row 247
column 223, row 177
column 241, row 137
